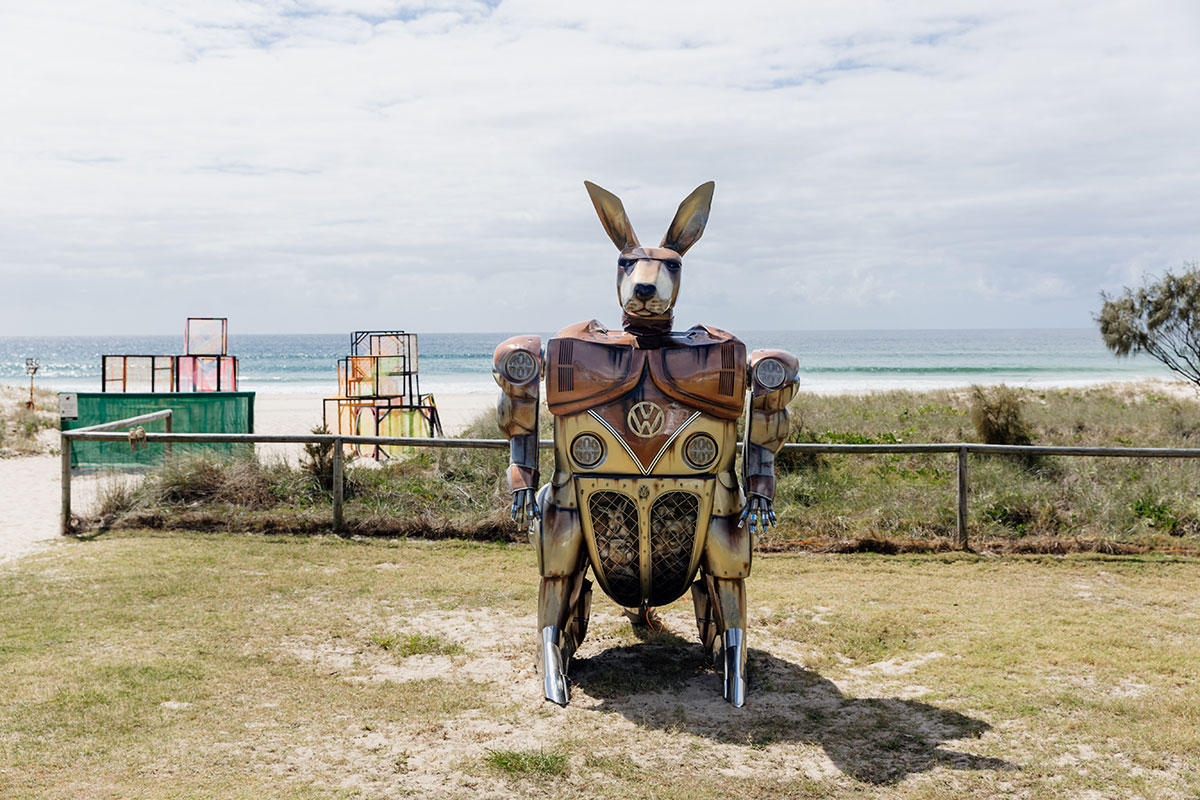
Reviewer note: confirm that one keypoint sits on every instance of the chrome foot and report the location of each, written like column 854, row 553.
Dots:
column 553, row 673
column 735, row 667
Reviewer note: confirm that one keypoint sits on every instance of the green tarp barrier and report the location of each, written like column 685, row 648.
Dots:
column 194, row 412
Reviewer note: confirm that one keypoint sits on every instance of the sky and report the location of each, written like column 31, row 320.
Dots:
column 326, row 167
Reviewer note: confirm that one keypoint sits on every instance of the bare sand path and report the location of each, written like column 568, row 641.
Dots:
column 30, row 496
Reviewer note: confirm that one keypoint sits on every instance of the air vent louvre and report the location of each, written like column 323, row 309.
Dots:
column 725, row 377
column 566, row 369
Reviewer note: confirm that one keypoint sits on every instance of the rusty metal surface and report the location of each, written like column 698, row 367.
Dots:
column 588, row 365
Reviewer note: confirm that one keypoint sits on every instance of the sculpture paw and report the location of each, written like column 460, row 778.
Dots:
column 758, row 511
column 524, row 507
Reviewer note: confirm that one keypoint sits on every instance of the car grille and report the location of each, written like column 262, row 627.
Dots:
column 672, row 534
column 673, row 520
column 615, row 524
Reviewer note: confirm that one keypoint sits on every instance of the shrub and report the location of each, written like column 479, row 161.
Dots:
column 1157, row 513
column 997, row 416
column 318, row 461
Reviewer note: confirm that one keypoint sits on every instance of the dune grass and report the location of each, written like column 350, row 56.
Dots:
column 21, row 428
column 1069, row 502
column 1145, row 501
column 152, row 664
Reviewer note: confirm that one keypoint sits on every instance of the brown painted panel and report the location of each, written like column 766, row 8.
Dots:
column 652, row 412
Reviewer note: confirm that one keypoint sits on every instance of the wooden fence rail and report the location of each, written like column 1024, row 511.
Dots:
column 962, row 450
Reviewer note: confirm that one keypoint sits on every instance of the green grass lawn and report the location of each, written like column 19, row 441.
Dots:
column 182, row 665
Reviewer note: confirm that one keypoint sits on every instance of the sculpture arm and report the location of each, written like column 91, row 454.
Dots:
column 517, row 368
column 772, row 382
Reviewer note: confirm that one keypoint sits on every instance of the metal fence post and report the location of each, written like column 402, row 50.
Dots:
column 338, row 466
column 66, row 485
column 962, row 499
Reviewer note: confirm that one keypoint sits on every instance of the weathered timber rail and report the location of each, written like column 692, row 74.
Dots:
column 106, row 433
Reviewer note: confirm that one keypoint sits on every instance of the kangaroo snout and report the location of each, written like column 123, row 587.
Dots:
column 644, row 291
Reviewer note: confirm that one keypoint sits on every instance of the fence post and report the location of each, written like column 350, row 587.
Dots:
column 168, row 446
column 66, row 485
column 338, row 487
column 962, row 499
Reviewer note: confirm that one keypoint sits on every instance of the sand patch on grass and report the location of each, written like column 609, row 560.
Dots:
column 640, row 701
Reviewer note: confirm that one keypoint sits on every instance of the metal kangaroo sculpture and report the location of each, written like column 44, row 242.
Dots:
column 644, row 490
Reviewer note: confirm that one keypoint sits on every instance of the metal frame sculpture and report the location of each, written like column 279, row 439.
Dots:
column 379, row 393
column 205, row 366
column 644, row 490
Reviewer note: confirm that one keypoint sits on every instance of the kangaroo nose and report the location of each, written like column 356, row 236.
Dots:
column 644, row 291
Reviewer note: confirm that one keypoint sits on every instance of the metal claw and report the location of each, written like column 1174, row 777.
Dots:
column 734, row 641
column 554, row 676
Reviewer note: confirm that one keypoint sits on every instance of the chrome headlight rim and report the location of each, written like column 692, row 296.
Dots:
column 770, row 373
column 700, row 439
column 520, row 366
column 594, row 456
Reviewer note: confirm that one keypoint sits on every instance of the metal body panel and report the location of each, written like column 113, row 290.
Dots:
column 634, row 504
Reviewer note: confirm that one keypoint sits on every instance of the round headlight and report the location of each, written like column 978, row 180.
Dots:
column 770, row 373
column 700, row 450
column 587, row 450
column 520, row 366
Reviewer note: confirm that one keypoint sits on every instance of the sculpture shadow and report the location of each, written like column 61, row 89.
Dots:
column 664, row 683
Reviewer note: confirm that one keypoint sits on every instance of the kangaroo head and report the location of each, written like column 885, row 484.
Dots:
column 648, row 277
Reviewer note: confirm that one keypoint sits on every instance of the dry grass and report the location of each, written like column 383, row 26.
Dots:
column 175, row 665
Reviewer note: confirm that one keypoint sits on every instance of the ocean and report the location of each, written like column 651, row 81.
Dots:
column 830, row 361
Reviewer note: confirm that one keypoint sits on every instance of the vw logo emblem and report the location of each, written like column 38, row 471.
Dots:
column 646, row 419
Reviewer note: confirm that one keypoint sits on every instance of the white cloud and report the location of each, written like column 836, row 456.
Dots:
column 329, row 166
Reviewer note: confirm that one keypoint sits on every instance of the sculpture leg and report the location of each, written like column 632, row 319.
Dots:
column 564, row 596
column 721, row 618
column 731, row 599
column 727, row 556
column 706, row 620
column 729, row 603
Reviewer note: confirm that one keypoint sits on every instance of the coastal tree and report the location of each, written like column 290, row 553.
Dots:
column 1161, row 318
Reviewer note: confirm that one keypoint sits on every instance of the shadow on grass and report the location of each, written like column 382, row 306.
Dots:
column 663, row 683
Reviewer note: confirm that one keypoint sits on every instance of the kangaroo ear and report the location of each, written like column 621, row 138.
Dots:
column 612, row 216
column 690, row 219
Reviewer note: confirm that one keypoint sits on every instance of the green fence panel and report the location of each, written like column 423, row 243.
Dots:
column 194, row 412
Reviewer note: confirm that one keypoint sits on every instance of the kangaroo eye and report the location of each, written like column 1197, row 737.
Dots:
column 625, row 263
column 672, row 265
